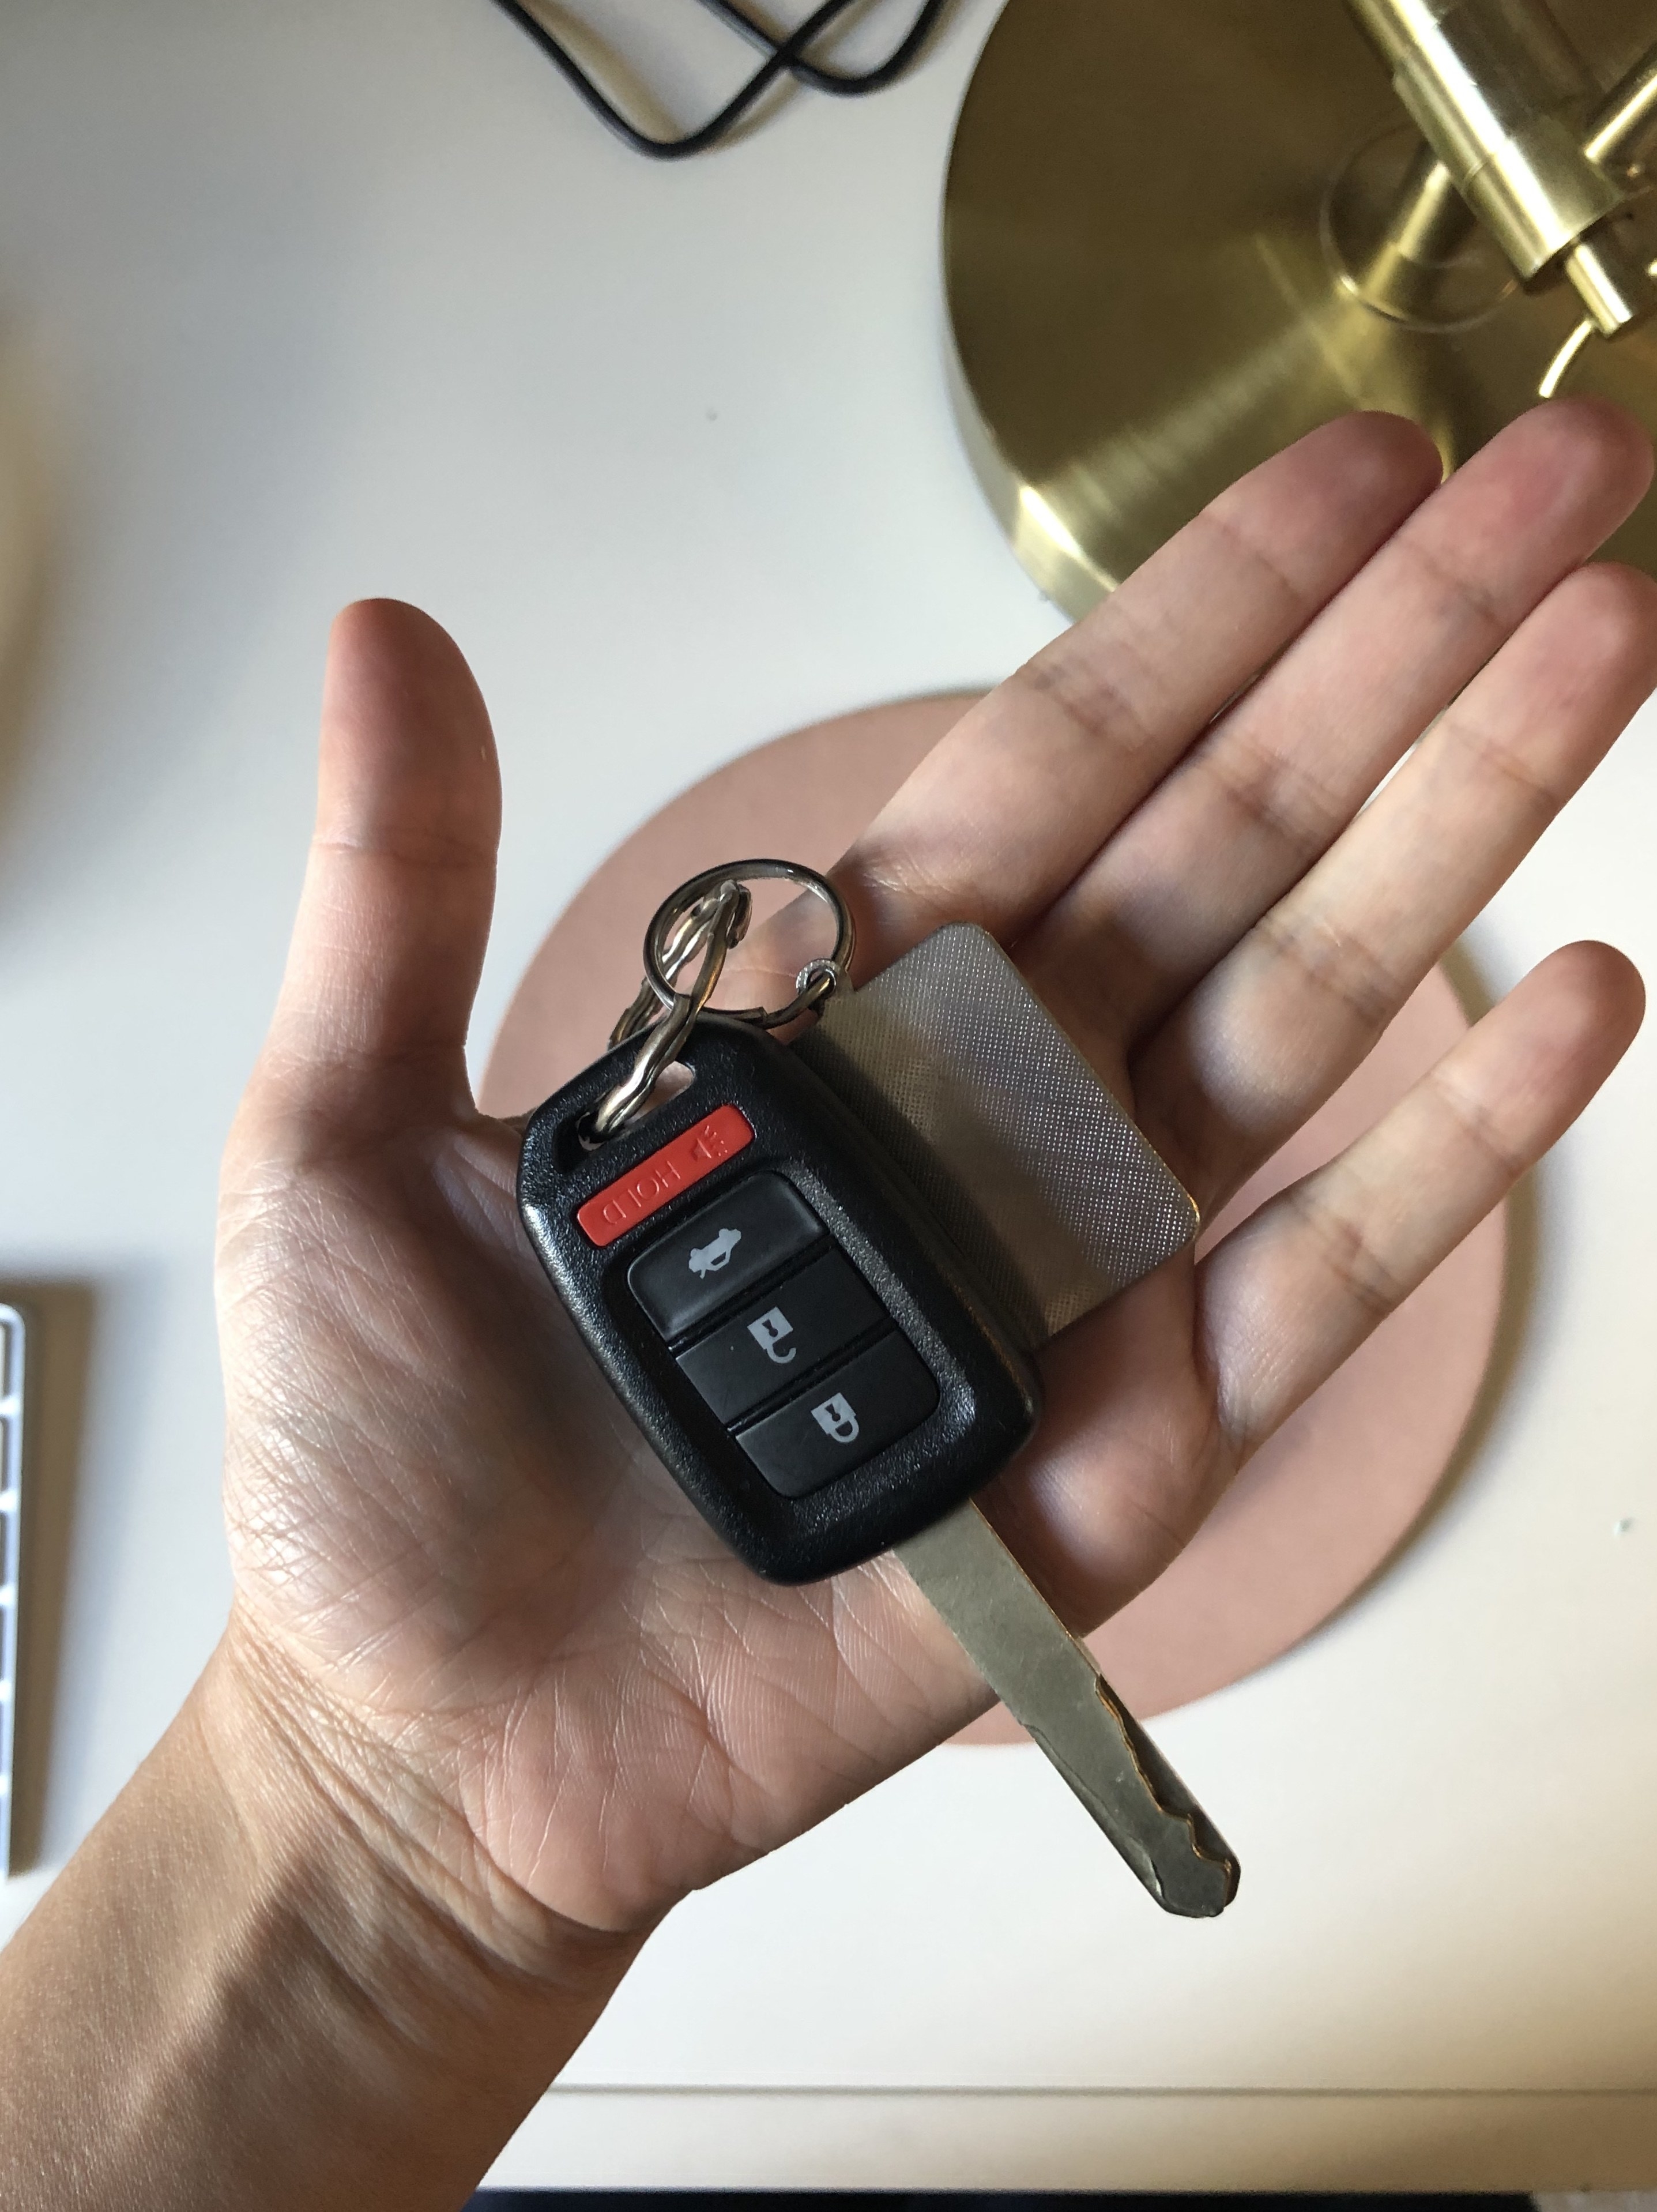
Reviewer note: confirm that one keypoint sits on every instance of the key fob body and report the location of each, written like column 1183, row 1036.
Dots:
column 775, row 1306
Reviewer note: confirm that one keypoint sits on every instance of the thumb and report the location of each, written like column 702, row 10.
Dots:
column 394, row 915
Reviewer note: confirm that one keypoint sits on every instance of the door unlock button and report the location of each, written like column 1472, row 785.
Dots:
column 781, row 1334
column 772, row 1332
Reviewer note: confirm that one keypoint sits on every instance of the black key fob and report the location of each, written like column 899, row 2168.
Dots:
column 775, row 1305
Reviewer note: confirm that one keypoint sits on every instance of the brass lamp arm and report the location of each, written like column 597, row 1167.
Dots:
column 1625, row 126
column 1508, row 109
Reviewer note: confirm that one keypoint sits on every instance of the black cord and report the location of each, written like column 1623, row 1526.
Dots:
column 785, row 56
column 849, row 85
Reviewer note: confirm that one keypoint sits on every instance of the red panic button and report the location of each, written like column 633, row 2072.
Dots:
column 644, row 1191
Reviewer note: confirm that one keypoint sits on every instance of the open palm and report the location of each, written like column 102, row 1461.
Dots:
column 486, row 1609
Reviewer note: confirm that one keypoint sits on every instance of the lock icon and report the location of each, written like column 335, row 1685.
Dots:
column 836, row 1418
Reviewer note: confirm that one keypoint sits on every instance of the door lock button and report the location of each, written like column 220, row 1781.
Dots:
column 842, row 1418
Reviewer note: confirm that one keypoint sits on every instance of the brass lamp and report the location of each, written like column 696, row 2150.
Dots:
column 1178, row 233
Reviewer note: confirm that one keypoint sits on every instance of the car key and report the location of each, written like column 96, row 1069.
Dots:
column 816, row 1275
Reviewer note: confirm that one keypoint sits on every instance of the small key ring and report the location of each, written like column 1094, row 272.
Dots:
column 687, row 938
column 708, row 915
column 724, row 924
column 814, row 981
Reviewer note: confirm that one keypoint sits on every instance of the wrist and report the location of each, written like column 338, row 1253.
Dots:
column 359, row 1849
column 274, row 1983
column 366, row 1968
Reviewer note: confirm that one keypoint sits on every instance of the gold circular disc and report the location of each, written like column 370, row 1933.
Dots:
column 1143, row 291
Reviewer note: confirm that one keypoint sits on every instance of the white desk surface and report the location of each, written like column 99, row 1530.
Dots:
column 306, row 303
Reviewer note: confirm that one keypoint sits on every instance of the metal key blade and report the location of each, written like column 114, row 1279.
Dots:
column 1047, row 1681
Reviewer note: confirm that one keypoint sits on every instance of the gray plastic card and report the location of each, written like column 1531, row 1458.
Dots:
column 1045, row 1184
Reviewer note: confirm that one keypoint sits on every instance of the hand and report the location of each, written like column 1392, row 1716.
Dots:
column 480, row 1611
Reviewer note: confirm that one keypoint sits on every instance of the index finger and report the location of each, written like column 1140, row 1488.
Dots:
column 1014, row 802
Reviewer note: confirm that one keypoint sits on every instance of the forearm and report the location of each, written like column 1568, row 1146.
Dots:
column 234, row 1996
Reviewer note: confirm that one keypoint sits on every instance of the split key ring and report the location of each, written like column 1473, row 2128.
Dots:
column 707, row 916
